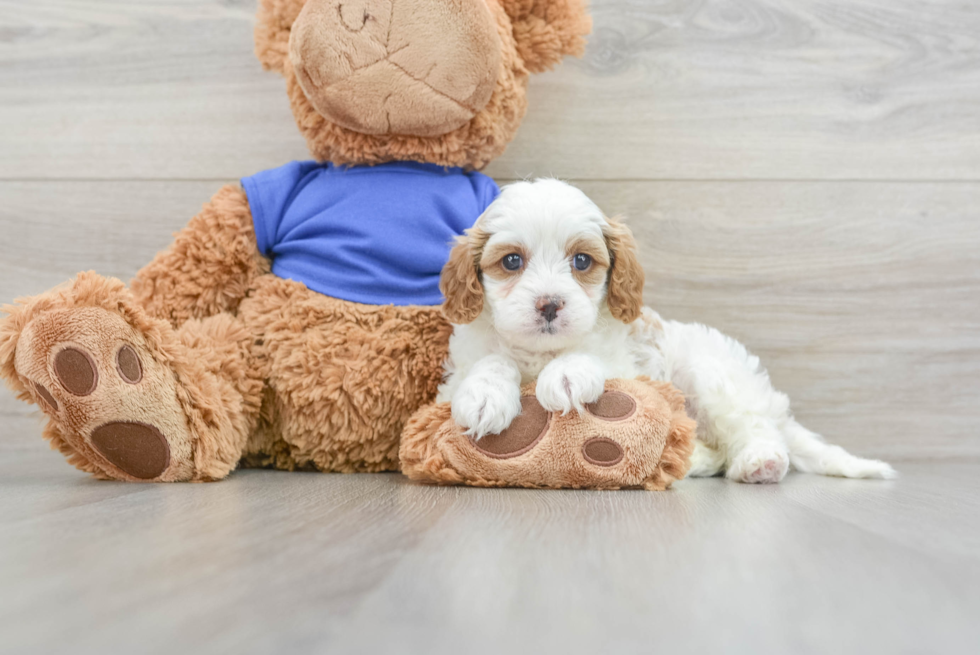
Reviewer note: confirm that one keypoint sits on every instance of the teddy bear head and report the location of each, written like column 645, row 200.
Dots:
column 437, row 81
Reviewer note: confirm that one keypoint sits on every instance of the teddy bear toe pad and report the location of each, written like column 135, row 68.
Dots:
column 47, row 400
column 612, row 406
column 76, row 371
column 602, row 451
column 128, row 364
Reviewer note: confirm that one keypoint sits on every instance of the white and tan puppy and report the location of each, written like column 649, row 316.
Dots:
column 545, row 286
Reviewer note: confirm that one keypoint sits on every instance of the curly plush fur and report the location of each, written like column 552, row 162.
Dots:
column 235, row 365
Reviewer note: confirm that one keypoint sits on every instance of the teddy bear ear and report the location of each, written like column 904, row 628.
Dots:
column 273, row 22
column 547, row 30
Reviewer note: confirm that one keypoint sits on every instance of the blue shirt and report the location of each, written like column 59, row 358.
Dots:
column 377, row 235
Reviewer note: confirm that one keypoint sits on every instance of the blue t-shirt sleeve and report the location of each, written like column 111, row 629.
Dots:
column 269, row 194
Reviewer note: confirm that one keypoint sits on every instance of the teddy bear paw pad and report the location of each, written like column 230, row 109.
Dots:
column 138, row 449
column 522, row 435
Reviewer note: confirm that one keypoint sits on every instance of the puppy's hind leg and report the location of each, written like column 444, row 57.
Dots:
column 757, row 452
column 737, row 410
column 705, row 462
column 741, row 431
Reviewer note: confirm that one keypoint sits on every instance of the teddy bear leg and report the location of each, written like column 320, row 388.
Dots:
column 127, row 397
column 345, row 377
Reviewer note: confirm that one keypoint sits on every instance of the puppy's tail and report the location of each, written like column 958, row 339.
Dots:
column 809, row 453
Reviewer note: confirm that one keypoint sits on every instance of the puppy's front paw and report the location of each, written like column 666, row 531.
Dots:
column 570, row 382
column 484, row 407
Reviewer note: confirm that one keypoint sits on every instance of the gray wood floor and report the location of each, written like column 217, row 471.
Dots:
column 269, row 562
column 802, row 174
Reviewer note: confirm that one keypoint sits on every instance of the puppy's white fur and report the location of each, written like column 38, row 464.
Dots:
column 745, row 427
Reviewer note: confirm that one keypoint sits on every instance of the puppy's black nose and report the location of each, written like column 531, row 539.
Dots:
column 548, row 307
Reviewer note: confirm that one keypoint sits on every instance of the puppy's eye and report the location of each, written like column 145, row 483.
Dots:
column 512, row 262
column 581, row 262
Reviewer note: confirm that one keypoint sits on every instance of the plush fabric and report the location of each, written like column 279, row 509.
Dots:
column 208, row 360
column 386, row 67
column 371, row 234
column 346, row 377
column 200, row 388
column 636, row 436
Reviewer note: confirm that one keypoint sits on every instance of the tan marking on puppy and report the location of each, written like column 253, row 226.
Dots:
column 625, row 295
column 595, row 248
column 492, row 261
column 460, row 279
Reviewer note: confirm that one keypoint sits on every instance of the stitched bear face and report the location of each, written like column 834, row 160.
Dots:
column 421, row 68
column 438, row 81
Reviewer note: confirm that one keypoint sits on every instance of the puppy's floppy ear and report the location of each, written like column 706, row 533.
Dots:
column 273, row 23
column 626, row 277
column 460, row 280
column 547, row 30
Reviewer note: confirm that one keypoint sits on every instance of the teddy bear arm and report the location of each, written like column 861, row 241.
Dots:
column 209, row 267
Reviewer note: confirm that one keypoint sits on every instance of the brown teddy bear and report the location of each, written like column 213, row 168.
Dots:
column 295, row 322
column 209, row 358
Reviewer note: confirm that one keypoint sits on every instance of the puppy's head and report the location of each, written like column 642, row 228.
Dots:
column 545, row 263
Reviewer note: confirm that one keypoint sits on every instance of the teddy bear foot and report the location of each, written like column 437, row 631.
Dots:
column 107, row 385
column 113, row 402
column 636, row 435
